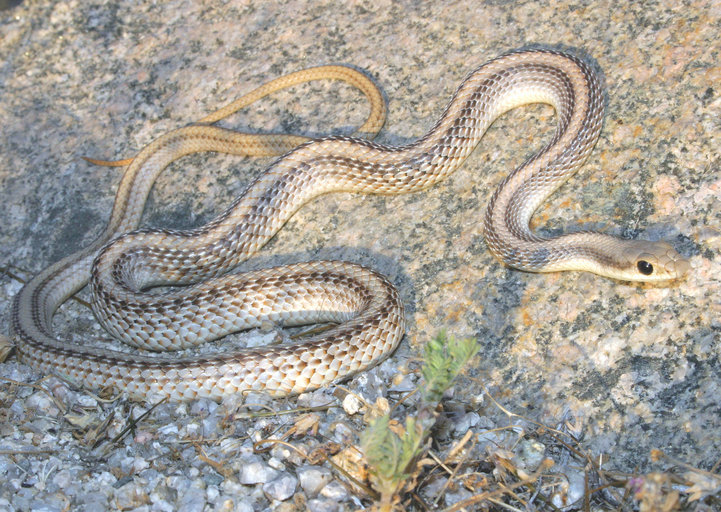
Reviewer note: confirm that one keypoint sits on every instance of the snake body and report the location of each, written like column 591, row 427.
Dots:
column 364, row 304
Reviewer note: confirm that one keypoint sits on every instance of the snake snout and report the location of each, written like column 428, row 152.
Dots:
column 660, row 261
column 677, row 263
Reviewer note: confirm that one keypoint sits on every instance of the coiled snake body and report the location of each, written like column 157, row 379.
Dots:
column 364, row 304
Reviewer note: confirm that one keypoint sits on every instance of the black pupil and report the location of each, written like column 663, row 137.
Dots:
column 645, row 267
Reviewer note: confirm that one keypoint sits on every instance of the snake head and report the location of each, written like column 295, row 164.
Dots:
column 653, row 261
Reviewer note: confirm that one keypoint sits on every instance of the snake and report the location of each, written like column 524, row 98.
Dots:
column 135, row 276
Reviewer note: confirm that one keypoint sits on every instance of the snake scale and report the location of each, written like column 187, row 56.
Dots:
column 123, row 265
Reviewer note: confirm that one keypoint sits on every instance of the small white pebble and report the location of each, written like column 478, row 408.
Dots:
column 334, row 491
column 351, row 404
column 282, row 488
column 313, row 479
column 256, row 472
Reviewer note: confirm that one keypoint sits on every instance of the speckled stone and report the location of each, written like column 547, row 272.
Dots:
column 631, row 367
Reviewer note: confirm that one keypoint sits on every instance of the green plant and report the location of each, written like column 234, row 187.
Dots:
column 392, row 452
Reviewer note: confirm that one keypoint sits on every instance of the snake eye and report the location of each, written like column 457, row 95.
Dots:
column 645, row 267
